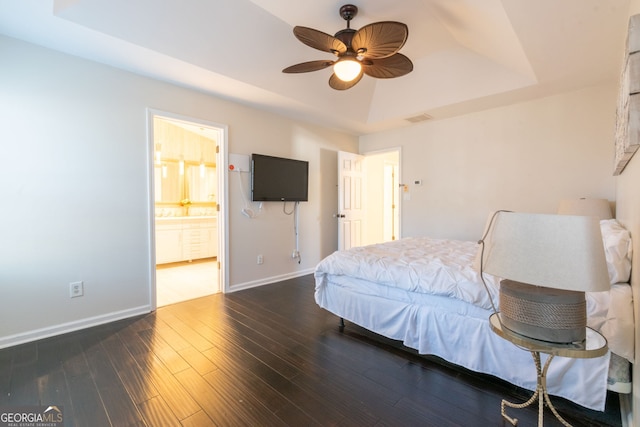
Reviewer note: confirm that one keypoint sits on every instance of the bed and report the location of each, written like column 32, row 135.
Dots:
column 426, row 293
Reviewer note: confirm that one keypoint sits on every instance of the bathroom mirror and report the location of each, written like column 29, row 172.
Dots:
column 168, row 182
column 201, row 186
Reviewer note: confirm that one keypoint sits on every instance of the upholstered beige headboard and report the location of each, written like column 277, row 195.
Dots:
column 628, row 213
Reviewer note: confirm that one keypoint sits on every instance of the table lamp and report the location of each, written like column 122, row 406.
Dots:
column 599, row 208
column 547, row 263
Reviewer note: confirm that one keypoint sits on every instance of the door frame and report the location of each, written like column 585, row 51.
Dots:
column 399, row 181
column 222, row 163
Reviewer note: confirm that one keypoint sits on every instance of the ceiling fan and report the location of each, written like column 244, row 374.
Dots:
column 371, row 50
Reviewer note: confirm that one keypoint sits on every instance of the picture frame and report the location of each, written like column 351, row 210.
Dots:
column 627, row 139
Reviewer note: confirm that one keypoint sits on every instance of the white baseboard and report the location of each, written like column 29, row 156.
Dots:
column 64, row 328
column 269, row 280
column 37, row 334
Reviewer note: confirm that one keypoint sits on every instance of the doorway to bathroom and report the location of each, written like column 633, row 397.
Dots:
column 186, row 194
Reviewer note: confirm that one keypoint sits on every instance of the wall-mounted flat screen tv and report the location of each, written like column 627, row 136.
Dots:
column 279, row 179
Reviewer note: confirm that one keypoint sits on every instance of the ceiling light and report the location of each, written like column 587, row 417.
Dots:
column 347, row 69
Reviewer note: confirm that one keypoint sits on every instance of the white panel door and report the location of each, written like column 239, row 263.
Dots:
column 350, row 199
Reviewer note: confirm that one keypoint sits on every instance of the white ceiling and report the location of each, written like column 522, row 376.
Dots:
column 467, row 54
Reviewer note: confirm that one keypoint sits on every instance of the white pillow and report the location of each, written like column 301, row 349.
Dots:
column 618, row 328
column 617, row 250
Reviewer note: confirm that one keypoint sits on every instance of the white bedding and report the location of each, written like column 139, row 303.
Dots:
column 421, row 265
column 426, row 293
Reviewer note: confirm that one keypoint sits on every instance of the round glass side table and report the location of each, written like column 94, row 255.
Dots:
column 595, row 345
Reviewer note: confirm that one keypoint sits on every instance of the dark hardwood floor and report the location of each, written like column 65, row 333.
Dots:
column 267, row 356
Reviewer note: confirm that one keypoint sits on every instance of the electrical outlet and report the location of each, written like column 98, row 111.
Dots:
column 260, row 259
column 76, row 289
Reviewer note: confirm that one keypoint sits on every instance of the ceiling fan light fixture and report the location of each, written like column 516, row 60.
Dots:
column 347, row 69
column 371, row 50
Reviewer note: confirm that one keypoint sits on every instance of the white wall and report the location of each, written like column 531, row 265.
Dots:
column 524, row 157
column 74, row 185
column 271, row 232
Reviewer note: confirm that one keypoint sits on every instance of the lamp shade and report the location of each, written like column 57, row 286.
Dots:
column 553, row 251
column 598, row 208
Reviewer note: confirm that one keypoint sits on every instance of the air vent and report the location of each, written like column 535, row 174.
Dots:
column 419, row 118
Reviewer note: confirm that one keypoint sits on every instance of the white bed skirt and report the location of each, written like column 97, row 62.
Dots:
column 460, row 333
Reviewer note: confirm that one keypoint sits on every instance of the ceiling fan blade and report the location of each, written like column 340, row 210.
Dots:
column 380, row 39
column 319, row 40
column 338, row 84
column 394, row 66
column 306, row 67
